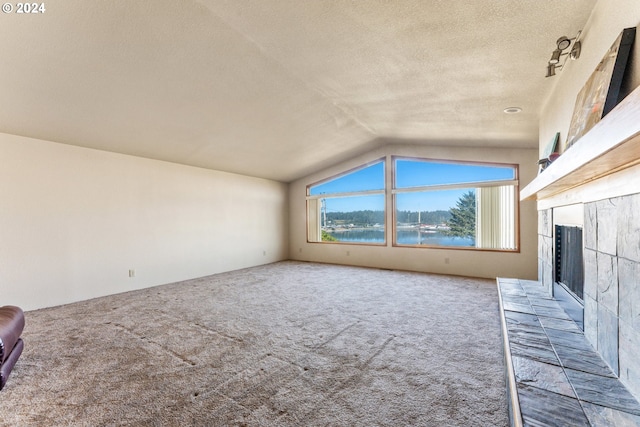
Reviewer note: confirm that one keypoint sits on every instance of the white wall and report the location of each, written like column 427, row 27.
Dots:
column 607, row 20
column 460, row 262
column 73, row 221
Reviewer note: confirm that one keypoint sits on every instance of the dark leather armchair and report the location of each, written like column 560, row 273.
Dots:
column 11, row 345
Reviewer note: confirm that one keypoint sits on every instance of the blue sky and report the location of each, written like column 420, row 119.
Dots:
column 429, row 201
column 369, row 178
column 361, row 203
column 409, row 173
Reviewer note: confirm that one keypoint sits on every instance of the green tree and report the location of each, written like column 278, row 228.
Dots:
column 426, row 217
column 357, row 218
column 326, row 237
column 463, row 217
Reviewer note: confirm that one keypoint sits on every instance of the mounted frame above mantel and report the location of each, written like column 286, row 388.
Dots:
column 612, row 145
column 602, row 90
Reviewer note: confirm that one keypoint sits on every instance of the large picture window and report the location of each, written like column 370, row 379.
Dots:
column 457, row 205
column 349, row 208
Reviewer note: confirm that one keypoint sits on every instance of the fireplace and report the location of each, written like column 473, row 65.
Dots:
column 568, row 281
column 568, row 260
column 600, row 172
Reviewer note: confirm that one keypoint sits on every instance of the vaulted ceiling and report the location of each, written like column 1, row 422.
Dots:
column 279, row 88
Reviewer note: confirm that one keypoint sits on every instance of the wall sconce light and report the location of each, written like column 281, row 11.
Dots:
column 562, row 44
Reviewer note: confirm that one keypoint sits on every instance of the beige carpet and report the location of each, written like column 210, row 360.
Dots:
column 286, row 344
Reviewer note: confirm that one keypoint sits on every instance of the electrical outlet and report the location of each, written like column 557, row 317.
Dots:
column 132, row 273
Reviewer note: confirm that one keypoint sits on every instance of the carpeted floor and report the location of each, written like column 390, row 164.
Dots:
column 286, row 344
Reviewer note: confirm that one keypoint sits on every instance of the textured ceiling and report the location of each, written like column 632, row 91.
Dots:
column 278, row 89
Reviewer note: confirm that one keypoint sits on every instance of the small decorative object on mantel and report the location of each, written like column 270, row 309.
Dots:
column 550, row 153
column 601, row 92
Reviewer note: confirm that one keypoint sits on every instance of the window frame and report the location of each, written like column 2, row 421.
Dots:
column 394, row 191
column 383, row 191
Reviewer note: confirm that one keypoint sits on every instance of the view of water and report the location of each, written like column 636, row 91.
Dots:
column 412, row 237
column 360, row 235
column 405, row 237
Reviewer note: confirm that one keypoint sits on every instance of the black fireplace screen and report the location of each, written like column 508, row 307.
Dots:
column 569, row 265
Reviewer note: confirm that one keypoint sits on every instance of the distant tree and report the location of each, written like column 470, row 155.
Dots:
column 357, row 218
column 463, row 217
column 426, row 217
column 326, row 237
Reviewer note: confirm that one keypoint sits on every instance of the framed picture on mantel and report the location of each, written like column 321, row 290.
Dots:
column 601, row 92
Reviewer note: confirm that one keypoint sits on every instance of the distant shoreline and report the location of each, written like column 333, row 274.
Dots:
column 399, row 227
column 342, row 230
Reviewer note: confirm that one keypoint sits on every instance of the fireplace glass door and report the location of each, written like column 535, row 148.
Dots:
column 569, row 265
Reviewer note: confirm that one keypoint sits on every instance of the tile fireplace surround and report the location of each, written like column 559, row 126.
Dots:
column 601, row 172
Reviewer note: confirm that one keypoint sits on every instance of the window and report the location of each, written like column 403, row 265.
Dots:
column 457, row 205
column 348, row 208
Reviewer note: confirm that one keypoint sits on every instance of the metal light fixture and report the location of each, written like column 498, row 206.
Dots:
column 562, row 44
column 551, row 70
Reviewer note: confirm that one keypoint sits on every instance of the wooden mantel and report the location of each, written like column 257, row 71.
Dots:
column 611, row 145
